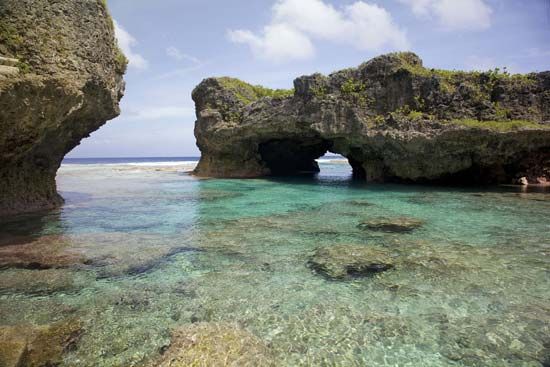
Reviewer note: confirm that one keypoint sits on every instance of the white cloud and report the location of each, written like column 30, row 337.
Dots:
column 419, row 7
column 471, row 15
column 278, row 43
column 175, row 53
column 295, row 24
column 158, row 113
column 192, row 62
column 126, row 42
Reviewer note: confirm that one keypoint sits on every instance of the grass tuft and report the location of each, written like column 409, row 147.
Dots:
column 247, row 93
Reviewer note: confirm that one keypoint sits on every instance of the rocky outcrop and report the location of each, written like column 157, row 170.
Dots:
column 60, row 80
column 394, row 120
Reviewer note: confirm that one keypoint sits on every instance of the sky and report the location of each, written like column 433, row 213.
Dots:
column 174, row 44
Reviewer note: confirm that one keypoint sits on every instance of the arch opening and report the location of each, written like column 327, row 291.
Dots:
column 291, row 157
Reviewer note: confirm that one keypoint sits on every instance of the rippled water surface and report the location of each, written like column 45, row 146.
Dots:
column 139, row 250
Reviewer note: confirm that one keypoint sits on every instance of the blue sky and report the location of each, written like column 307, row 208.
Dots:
column 174, row 44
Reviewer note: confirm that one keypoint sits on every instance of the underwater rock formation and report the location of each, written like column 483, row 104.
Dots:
column 212, row 344
column 349, row 261
column 393, row 119
column 60, row 79
column 44, row 345
column 401, row 224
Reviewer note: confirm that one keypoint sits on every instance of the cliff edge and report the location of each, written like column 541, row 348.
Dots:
column 393, row 119
column 60, row 79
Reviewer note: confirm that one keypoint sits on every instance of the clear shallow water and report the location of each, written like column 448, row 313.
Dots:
column 140, row 249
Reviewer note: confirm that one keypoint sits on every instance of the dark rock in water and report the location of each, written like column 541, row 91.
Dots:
column 47, row 252
column 44, row 282
column 393, row 119
column 399, row 225
column 349, row 261
column 35, row 346
column 212, row 344
column 360, row 202
column 67, row 83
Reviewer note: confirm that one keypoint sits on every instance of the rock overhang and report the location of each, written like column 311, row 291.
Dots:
column 66, row 87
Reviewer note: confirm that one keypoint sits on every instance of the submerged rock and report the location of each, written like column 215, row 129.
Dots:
column 392, row 118
column 348, row 261
column 44, row 282
column 68, row 84
column 212, row 344
column 36, row 346
column 47, row 252
column 360, row 203
column 134, row 254
column 401, row 224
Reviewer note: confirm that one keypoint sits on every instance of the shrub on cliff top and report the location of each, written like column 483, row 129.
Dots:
column 247, row 93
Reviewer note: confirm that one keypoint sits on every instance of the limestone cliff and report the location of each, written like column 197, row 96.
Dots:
column 394, row 120
column 60, row 79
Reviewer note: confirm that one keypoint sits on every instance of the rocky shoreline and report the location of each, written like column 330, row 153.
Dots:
column 392, row 118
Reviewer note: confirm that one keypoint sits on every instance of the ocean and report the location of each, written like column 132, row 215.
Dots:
column 142, row 248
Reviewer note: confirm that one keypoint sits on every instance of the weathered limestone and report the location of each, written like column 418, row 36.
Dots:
column 392, row 118
column 54, row 91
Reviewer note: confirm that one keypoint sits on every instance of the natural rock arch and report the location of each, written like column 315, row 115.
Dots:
column 392, row 118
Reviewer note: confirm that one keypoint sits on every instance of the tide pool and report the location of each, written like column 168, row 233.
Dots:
column 141, row 249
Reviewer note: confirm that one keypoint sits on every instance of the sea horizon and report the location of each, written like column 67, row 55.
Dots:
column 175, row 159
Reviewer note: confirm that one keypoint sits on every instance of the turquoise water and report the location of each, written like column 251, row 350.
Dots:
column 138, row 250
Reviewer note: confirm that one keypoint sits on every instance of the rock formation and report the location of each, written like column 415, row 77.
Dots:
column 350, row 261
column 60, row 79
column 393, row 119
column 43, row 345
column 396, row 225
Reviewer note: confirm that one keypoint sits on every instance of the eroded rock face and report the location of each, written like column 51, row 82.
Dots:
column 392, row 118
column 67, row 83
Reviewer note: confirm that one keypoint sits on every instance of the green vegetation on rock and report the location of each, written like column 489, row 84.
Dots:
column 320, row 92
column 121, row 61
column 9, row 37
column 352, row 86
column 247, row 93
column 354, row 89
column 504, row 125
